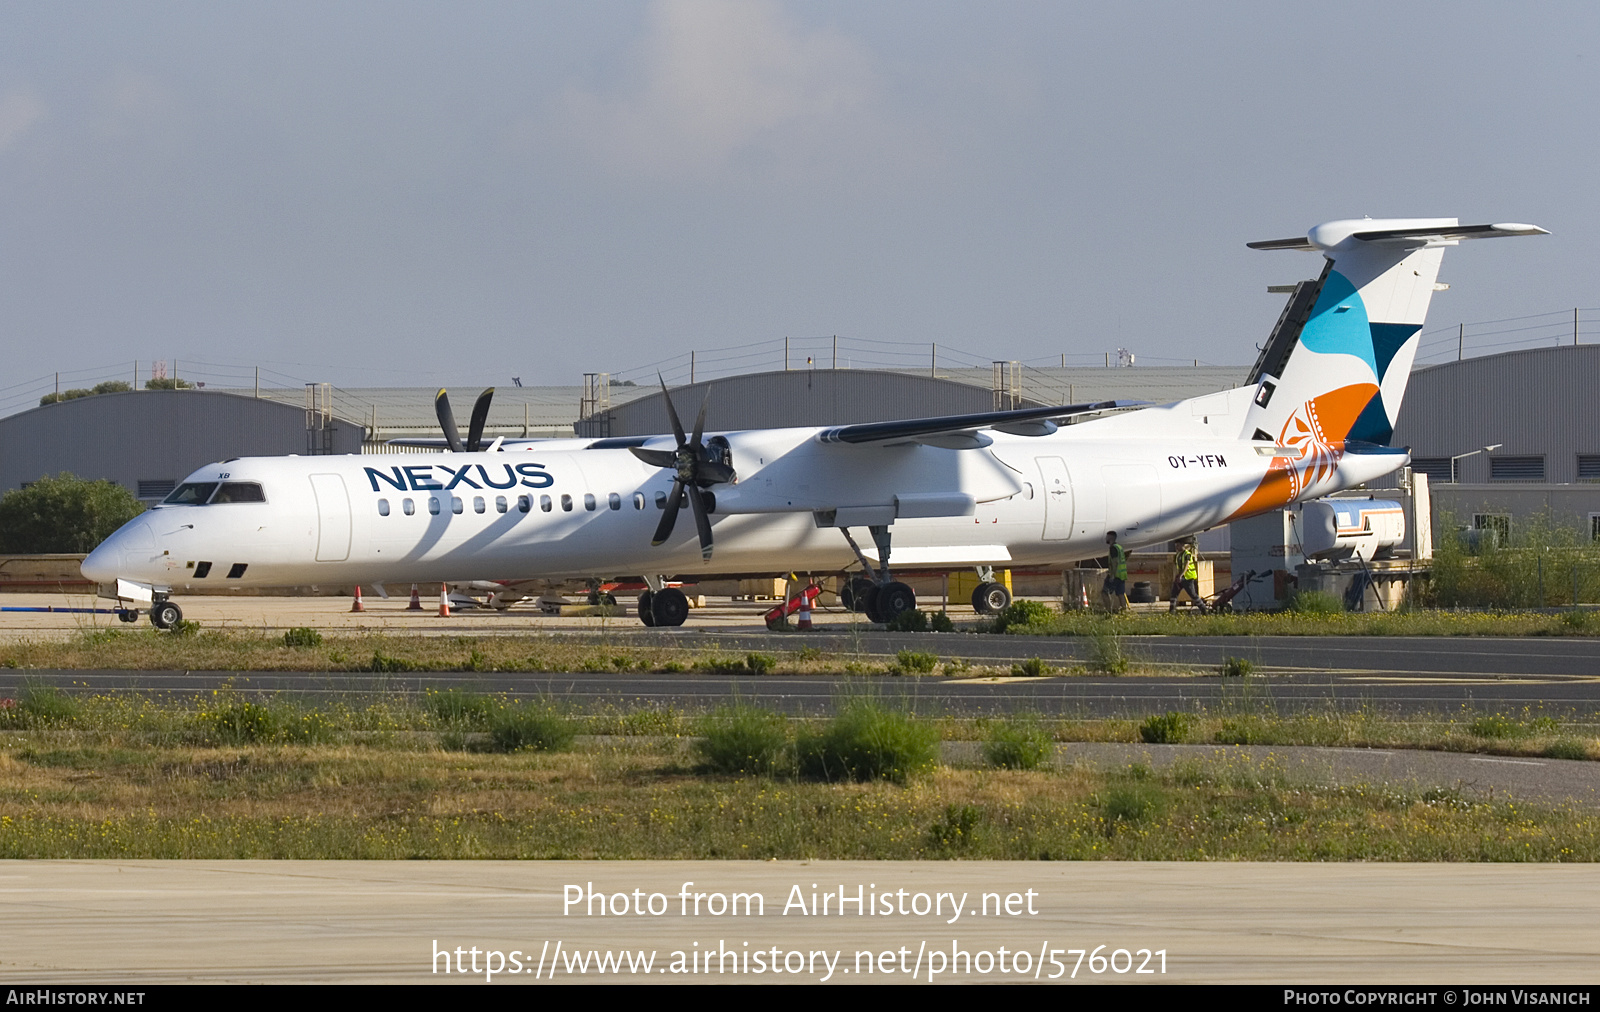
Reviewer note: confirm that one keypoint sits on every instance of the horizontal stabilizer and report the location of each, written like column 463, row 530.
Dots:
column 1396, row 232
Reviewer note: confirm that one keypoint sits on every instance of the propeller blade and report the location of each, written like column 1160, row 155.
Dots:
column 672, row 412
column 715, row 472
column 447, row 421
column 702, row 523
column 669, row 516
column 480, row 415
column 655, row 458
column 700, row 422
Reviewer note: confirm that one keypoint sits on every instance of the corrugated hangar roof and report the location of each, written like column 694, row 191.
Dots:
column 798, row 397
column 408, row 412
column 755, row 400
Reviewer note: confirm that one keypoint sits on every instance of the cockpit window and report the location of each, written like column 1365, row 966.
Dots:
column 239, row 491
column 190, row 493
column 197, row 493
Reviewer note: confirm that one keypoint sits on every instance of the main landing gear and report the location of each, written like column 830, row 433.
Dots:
column 881, row 598
column 665, row 607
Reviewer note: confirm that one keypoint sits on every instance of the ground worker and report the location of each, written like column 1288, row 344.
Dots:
column 1186, row 575
column 1115, row 590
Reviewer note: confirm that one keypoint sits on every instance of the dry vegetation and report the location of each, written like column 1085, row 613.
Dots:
column 429, row 776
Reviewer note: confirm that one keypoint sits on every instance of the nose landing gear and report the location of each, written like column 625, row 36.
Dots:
column 164, row 614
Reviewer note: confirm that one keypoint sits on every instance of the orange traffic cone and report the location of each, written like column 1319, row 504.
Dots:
column 1083, row 596
column 416, row 602
column 444, row 600
column 804, row 624
column 355, row 605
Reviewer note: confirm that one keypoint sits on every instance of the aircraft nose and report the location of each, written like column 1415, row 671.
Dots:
column 102, row 564
column 108, row 561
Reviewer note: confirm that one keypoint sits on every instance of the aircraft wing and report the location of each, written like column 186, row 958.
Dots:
column 960, row 432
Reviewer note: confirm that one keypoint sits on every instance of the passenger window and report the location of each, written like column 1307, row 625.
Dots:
column 524, row 503
column 588, row 501
column 409, row 506
column 638, row 500
column 566, row 503
column 544, row 503
column 383, row 507
column 433, row 505
column 615, row 501
column 499, row 504
column 661, row 500
column 455, row 504
column 478, row 504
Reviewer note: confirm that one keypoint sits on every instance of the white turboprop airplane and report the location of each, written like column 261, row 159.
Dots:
column 978, row 491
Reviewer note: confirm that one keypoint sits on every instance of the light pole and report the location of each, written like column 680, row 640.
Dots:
column 1482, row 449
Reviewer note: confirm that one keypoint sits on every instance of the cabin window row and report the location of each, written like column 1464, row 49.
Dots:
column 522, row 504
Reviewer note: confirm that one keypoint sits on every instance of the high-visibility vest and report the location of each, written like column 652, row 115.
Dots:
column 1119, row 562
column 1189, row 563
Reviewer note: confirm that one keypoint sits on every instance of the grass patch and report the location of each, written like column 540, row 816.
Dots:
column 1567, row 748
column 302, row 636
column 1106, row 654
column 1022, row 615
column 910, row 620
column 1315, row 602
column 742, row 739
column 234, row 721
column 1236, row 667
column 531, row 728
column 1020, row 743
column 1169, row 728
column 912, row 661
column 40, row 705
column 1033, row 667
column 458, row 708
column 868, row 741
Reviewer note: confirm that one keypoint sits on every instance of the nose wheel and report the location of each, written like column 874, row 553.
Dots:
column 164, row 614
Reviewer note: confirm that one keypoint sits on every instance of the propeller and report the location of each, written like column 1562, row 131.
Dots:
column 696, row 467
column 447, row 421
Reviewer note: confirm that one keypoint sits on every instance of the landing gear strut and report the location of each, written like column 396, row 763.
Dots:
column 989, row 597
column 878, row 595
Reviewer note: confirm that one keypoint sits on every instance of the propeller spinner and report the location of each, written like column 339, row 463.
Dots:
column 695, row 467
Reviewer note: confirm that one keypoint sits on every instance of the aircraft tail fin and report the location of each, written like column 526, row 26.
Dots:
column 1336, row 364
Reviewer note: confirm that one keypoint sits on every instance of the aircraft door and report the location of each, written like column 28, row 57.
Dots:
column 1057, row 498
column 333, row 517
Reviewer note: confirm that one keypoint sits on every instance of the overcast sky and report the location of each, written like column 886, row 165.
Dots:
column 396, row 193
